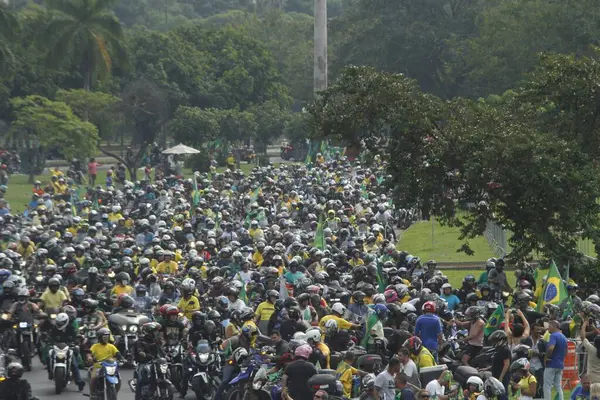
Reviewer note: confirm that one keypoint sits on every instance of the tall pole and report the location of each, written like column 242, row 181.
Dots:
column 320, row 51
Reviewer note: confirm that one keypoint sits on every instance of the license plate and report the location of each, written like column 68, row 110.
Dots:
column 23, row 324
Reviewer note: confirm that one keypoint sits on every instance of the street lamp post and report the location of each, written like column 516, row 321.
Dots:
column 320, row 46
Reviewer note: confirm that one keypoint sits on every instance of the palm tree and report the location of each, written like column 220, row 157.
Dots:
column 85, row 32
column 8, row 27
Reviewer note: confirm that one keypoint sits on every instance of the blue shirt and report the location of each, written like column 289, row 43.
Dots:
column 559, row 341
column 579, row 394
column 452, row 301
column 428, row 328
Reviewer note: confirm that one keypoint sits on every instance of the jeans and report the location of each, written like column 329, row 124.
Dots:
column 228, row 375
column 553, row 377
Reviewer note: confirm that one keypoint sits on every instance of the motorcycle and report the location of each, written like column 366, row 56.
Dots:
column 156, row 381
column 203, row 368
column 107, row 380
column 60, row 365
column 124, row 327
column 263, row 387
column 174, row 355
column 248, row 369
column 24, row 340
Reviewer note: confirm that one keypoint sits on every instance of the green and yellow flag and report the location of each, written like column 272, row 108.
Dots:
column 243, row 294
column 371, row 321
column 495, row 320
column 554, row 291
column 319, row 242
column 380, row 282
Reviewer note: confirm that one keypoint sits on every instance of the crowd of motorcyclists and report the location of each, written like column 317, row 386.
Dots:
column 284, row 283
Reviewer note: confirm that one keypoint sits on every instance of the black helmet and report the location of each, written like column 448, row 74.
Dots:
column 127, row 302
column 294, row 313
column 473, row 313
column 498, row 338
column 150, row 329
column 15, row 370
column 493, row 388
column 290, row 302
column 471, row 297
column 214, row 316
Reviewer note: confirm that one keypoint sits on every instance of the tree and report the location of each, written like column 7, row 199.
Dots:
column 86, row 34
column 146, row 110
column 270, row 123
column 468, row 162
column 99, row 108
column 195, row 126
column 41, row 124
column 8, row 27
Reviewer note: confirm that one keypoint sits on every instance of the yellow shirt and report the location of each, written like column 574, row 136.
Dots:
column 25, row 252
column 326, row 352
column 424, row 359
column 524, row 382
column 167, row 267
column 342, row 323
column 114, row 217
column 123, row 290
column 344, row 373
column 257, row 258
column 265, row 310
column 101, row 352
column 53, row 300
column 187, row 307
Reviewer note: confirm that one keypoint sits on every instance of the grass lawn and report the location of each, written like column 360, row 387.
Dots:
column 455, row 276
column 417, row 240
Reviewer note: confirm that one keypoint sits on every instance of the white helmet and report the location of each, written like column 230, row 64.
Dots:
column 378, row 298
column 338, row 308
column 299, row 336
column 239, row 354
column 188, row 281
column 331, row 326
column 62, row 321
column 314, row 335
column 407, row 308
column 475, row 380
column 446, row 286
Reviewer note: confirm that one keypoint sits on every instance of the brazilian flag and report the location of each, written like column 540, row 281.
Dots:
column 495, row 320
column 319, row 242
column 554, row 291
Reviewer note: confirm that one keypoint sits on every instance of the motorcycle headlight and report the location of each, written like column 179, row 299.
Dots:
column 164, row 368
column 111, row 370
column 133, row 328
column 204, row 357
column 39, row 279
column 124, row 328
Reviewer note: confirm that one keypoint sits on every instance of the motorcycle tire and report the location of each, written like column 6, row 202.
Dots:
column 26, row 355
column 59, row 380
column 175, row 377
column 166, row 394
column 111, row 392
column 234, row 393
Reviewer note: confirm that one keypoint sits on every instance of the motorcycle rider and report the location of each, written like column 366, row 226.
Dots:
column 64, row 332
column 53, row 297
column 188, row 303
column 474, row 340
column 146, row 350
column 23, row 311
column 103, row 350
column 233, row 348
column 419, row 353
column 173, row 329
column 15, row 387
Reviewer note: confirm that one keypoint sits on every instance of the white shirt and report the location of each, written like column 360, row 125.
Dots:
column 435, row 389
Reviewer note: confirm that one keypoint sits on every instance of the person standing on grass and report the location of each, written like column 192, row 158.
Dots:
column 556, row 350
column 92, row 171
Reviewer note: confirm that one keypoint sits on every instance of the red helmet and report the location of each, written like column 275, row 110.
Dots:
column 413, row 344
column 163, row 309
column 429, row 307
column 172, row 310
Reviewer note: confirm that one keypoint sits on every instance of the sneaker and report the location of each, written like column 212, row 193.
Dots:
column 81, row 385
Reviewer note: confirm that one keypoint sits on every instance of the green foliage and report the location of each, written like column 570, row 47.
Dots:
column 85, row 34
column 493, row 161
column 195, row 126
column 99, row 108
column 270, row 123
column 8, row 30
column 52, row 124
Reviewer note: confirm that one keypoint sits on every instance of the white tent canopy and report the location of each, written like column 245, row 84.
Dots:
column 181, row 149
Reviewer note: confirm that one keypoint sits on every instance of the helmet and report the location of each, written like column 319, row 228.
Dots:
column 303, row 351
column 150, row 329
column 338, row 308
column 368, row 381
column 521, row 363
column 381, row 311
column 90, row 304
column 239, row 354
column 314, row 335
column 473, row 312
column 70, row 311
column 390, row 296
column 446, row 286
column 477, row 382
column 249, row 331
column 62, row 320
column 331, row 327
column 498, row 338
column 413, row 344
column 521, row 351
column 428, row 307
column 103, row 332
column 407, row 308
column 493, row 387
column 15, row 370
column 272, row 293
column 378, row 298
column 471, row 297
column 214, row 315
column 171, row 310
